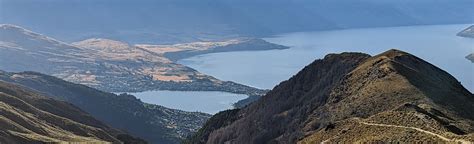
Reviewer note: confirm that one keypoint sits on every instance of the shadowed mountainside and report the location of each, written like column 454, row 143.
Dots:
column 30, row 117
column 154, row 123
column 353, row 97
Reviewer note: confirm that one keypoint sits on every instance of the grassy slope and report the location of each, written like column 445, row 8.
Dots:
column 352, row 97
column 154, row 123
column 28, row 117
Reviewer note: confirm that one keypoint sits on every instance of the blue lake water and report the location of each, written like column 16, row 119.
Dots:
column 264, row 69
column 437, row 44
column 200, row 101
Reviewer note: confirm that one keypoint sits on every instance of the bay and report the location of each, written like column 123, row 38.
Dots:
column 438, row 44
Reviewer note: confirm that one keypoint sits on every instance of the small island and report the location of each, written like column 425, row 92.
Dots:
column 468, row 32
column 470, row 57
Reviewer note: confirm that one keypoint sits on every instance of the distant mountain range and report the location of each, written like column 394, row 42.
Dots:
column 353, row 97
column 30, row 117
column 177, row 21
column 154, row 123
column 116, row 66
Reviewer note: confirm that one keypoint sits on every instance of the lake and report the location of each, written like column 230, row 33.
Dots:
column 194, row 101
column 438, row 44
column 264, row 69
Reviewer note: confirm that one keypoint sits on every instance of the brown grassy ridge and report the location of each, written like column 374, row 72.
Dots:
column 28, row 117
column 353, row 97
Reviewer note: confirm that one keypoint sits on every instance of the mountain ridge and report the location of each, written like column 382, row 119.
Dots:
column 350, row 97
column 30, row 117
column 151, row 122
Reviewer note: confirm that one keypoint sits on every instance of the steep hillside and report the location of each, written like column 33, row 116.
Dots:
column 104, row 64
column 352, row 97
column 29, row 117
column 154, row 123
column 468, row 32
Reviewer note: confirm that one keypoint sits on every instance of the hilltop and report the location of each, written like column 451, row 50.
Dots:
column 353, row 97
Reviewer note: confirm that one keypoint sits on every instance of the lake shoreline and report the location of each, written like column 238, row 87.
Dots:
column 249, row 44
column 258, row 68
column 209, row 102
column 265, row 69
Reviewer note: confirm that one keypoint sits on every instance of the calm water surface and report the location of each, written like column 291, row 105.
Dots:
column 264, row 69
column 201, row 101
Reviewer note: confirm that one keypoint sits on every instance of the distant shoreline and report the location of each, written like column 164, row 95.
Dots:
column 254, row 44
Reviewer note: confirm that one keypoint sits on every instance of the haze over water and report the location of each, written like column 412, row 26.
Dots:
column 438, row 44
